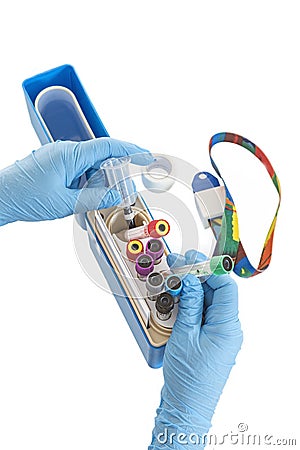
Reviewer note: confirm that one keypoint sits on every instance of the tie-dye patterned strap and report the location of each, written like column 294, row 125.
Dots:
column 228, row 240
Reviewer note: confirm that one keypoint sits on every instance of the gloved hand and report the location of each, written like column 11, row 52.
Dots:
column 198, row 359
column 45, row 184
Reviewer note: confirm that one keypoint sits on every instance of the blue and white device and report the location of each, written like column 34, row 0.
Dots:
column 128, row 244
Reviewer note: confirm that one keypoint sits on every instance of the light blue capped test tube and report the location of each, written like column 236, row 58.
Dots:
column 173, row 285
column 118, row 177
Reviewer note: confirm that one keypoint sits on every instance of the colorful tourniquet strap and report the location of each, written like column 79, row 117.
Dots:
column 228, row 239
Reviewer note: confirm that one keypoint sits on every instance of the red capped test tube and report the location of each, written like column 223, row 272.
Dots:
column 154, row 229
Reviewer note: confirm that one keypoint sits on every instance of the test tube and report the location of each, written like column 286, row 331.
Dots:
column 154, row 229
column 133, row 249
column 155, row 248
column 144, row 265
column 118, row 177
column 155, row 283
column 164, row 306
column 217, row 265
column 173, row 285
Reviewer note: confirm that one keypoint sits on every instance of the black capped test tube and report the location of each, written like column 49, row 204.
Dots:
column 164, row 306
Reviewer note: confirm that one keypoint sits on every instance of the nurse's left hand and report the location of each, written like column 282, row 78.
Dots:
column 45, row 184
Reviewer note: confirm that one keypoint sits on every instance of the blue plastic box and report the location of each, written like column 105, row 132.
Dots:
column 61, row 76
column 66, row 76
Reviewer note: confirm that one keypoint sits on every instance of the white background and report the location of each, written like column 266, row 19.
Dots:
column 165, row 75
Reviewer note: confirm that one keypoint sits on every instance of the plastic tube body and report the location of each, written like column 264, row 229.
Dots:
column 217, row 265
column 154, row 229
column 118, row 177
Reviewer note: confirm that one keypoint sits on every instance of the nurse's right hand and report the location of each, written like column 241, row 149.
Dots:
column 199, row 356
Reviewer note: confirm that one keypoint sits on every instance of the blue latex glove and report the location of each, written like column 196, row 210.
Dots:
column 198, row 358
column 45, row 184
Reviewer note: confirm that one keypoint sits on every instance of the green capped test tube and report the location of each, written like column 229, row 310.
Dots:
column 217, row 265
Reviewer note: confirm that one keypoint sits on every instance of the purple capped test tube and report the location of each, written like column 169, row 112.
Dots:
column 155, row 248
column 144, row 265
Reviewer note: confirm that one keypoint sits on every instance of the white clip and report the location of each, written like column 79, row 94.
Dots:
column 210, row 204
